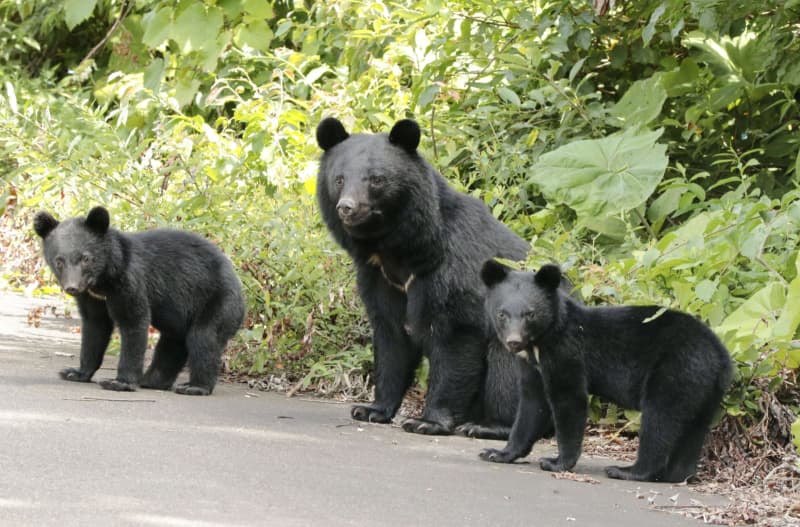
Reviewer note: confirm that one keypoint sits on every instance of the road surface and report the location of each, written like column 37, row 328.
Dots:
column 72, row 454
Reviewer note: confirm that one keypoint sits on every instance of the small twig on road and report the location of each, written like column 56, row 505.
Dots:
column 87, row 398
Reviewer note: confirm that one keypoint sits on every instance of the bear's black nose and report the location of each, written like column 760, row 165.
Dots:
column 72, row 291
column 513, row 344
column 345, row 207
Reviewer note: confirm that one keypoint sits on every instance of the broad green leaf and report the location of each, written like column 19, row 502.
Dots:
column 185, row 89
column 256, row 35
column 599, row 178
column 755, row 317
column 650, row 29
column 641, row 103
column 665, row 204
column 789, row 319
column 427, row 95
column 197, row 27
column 705, row 290
column 683, row 79
column 76, row 11
column 157, row 25
column 257, row 9
column 153, row 74
column 508, row 95
column 796, row 433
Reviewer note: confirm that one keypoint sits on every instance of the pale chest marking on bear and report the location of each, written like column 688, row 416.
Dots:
column 526, row 357
column 96, row 296
column 375, row 260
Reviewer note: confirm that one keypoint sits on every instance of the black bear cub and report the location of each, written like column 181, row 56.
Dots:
column 177, row 281
column 667, row 364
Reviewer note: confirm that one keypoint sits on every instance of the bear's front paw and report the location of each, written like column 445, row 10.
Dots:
column 75, row 375
column 618, row 472
column 117, row 385
column 479, row 431
column 419, row 426
column 497, row 456
column 188, row 389
column 370, row 414
column 553, row 464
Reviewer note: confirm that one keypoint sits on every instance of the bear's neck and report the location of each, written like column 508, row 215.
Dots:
column 416, row 243
column 118, row 254
column 567, row 325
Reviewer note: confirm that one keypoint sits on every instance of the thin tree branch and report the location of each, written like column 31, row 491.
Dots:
column 127, row 6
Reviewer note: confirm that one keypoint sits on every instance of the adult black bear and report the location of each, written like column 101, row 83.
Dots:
column 417, row 245
column 176, row 281
column 666, row 364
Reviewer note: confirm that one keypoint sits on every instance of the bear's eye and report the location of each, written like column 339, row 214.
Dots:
column 85, row 259
column 376, row 180
column 339, row 181
column 530, row 315
column 59, row 263
column 501, row 316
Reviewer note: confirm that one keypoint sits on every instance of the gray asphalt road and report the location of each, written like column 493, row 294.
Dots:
column 74, row 454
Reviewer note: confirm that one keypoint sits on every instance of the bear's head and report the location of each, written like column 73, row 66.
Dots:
column 77, row 249
column 367, row 181
column 521, row 306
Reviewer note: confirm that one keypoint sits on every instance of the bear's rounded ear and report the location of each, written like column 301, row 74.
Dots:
column 44, row 223
column 330, row 132
column 493, row 272
column 98, row 220
column 548, row 276
column 406, row 135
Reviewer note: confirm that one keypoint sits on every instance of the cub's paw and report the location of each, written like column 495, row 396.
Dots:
column 479, row 431
column 619, row 472
column 75, row 375
column 188, row 389
column 370, row 414
column 419, row 426
column 117, row 385
column 497, row 456
column 553, row 464
column 154, row 382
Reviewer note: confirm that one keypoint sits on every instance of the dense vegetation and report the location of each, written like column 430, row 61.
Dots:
column 650, row 147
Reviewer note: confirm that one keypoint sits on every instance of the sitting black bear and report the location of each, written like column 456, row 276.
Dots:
column 417, row 245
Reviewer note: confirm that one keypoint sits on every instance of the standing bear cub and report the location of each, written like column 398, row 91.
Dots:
column 666, row 364
column 417, row 245
column 176, row 281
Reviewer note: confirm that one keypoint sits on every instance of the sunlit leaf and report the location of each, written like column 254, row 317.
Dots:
column 602, row 177
column 76, row 11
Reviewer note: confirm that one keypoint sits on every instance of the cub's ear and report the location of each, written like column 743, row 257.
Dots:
column 44, row 223
column 549, row 276
column 493, row 272
column 98, row 220
column 405, row 134
column 330, row 132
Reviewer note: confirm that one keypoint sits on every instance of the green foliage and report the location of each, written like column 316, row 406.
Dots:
column 653, row 151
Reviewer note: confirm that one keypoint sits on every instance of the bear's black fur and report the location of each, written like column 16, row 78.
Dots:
column 417, row 245
column 177, row 281
column 667, row 364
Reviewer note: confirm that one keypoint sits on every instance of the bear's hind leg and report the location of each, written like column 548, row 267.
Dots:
column 658, row 434
column 454, row 381
column 682, row 463
column 169, row 358
column 204, row 353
